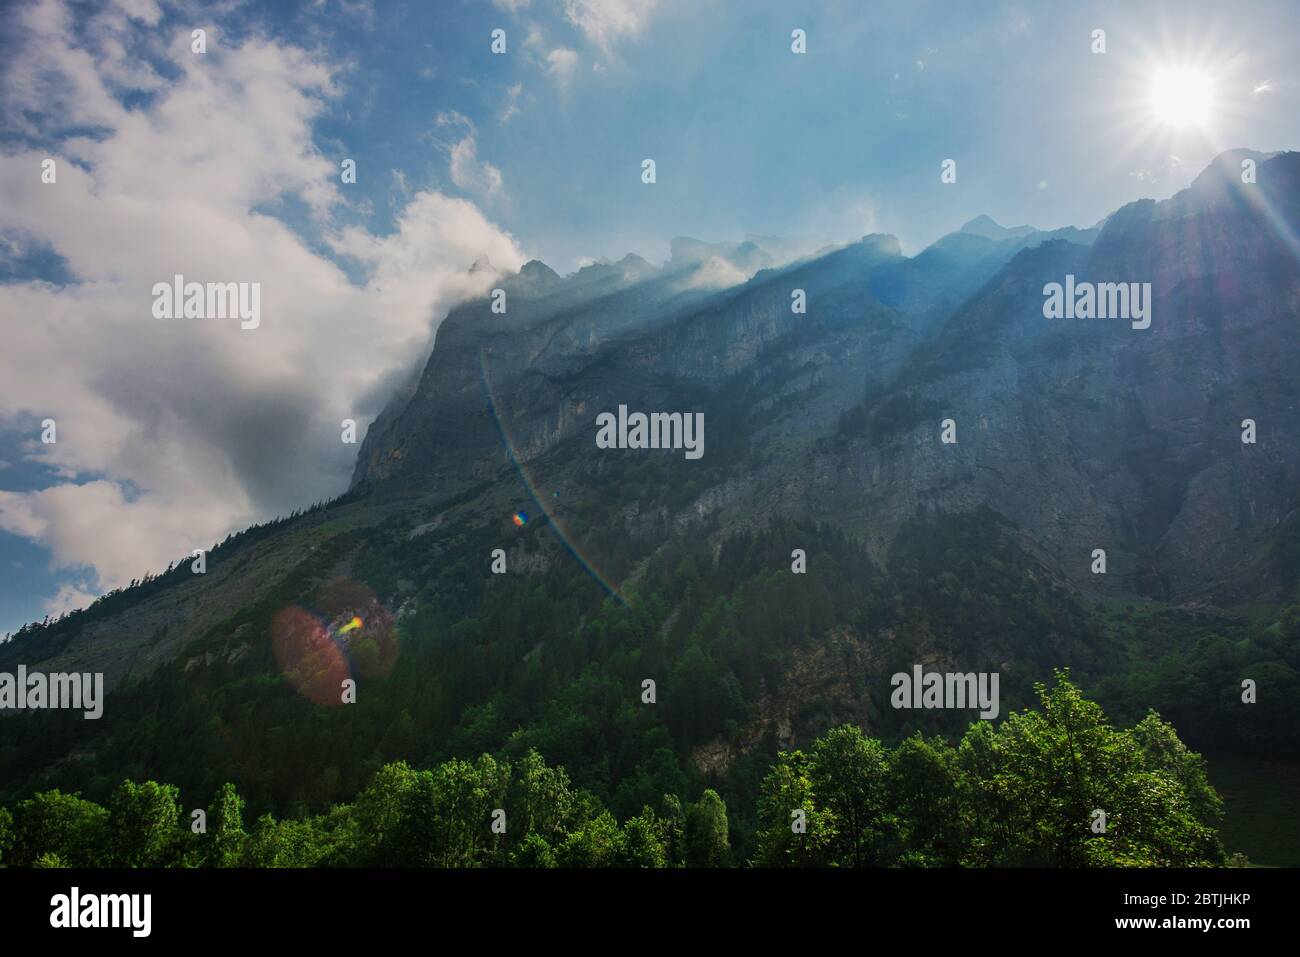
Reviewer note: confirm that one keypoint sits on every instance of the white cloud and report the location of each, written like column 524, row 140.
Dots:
column 606, row 21
column 844, row 214
column 467, row 171
column 514, row 93
column 1168, row 167
column 72, row 520
column 716, row 273
column 561, row 62
column 69, row 597
column 363, row 10
column 146, row 11
column 172, row 433
column 471, row 174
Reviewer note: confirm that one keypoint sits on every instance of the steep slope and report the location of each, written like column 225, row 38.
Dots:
column 822, row 432
column 1082, row 433
column 1090, row 433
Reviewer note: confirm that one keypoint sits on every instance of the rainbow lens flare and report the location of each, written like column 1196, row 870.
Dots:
column 520, row 519
column 539, row 496
column 314, row 664
column 324, row 644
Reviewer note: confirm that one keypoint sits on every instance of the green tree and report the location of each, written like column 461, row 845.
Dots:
column 382, row 815
column 223, row 844
column 1162, row 751
column 643, row 841
column 293, row 844
column 144, row 824
column 540, row 799
column 673, row 822
column 534, row 851
column 924, row 787
column 850, row 775
column 786, row 790
column 596, row 843
column 6, row 833
column 707, row 841
column 64, row 825
column 469, row 795
column 1053, row 774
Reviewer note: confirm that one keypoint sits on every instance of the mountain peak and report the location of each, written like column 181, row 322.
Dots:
column 1223, row 173
column 632, row 260
column 886, row 244
column 684, row 250
column 537, row 270
column 990, row 228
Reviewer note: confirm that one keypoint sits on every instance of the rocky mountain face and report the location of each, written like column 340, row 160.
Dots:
column 1090, row 433
column 1083, row 433
column 1086, row 433
column 630, row 334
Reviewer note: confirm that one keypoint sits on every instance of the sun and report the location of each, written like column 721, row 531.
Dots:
column 1181, row 97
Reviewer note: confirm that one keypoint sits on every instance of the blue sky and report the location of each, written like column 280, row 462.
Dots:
column 847, row 138
column 226, row 164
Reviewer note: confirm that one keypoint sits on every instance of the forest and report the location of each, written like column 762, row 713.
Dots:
column 1053, row 786
column 480, row 686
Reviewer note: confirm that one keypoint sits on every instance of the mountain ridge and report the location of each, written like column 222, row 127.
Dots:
column 855, row 390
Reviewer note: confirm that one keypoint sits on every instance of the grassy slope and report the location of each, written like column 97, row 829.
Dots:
column 1261, row 801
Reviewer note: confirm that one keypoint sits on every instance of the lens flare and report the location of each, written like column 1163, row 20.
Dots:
column 312, row 661
column 539, row 497
column 520, row 519
column 346, row 633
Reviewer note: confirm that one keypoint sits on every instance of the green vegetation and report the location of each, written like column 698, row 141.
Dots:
column 749, row 660
column 1025, row 792
column 1261, row 802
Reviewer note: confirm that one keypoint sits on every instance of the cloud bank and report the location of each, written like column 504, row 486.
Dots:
column 173, row 433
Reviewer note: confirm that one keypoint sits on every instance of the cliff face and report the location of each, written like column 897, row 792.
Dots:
column 631, row 334
column 1087, row 433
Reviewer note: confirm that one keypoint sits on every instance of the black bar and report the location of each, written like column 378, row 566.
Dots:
column 329, row 907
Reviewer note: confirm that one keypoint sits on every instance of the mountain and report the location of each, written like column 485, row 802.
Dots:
column 987, row 228
column 1088, row 434
column 823, row 432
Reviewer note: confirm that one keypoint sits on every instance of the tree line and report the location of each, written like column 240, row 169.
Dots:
column 1056, row 785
